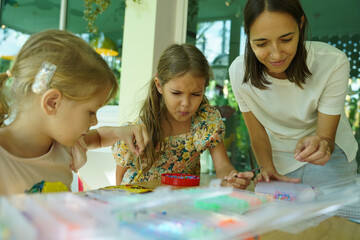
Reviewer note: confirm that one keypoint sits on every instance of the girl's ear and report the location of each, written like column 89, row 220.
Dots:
column 158, row 85
column 50, row 101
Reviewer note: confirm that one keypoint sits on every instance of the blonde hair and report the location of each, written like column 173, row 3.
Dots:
column 4, row 106
column 176, row 61
column 80, row 71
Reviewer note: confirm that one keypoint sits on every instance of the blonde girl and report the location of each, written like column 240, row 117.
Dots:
column 180, row 123
column 59, row 83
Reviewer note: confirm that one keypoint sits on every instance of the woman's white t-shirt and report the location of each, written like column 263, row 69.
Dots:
column 288, row 112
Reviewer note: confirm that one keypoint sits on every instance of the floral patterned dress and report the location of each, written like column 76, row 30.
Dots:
column 181, row 153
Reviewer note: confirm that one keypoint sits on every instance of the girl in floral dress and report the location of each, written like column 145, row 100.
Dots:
column 180, row 123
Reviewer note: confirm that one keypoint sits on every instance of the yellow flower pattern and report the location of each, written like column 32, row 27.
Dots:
column 182, row 152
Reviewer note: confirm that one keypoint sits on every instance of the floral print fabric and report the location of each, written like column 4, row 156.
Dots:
column 181, row 153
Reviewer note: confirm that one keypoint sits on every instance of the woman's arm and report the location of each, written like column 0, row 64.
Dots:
column 120, row 171
column 260, row 142
column 318, row 149
column 225, row 170
column 261, row 146
column 107, row 136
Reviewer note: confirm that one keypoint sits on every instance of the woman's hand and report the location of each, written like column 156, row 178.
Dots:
column 314, row 149
column 238, row 179
column 266, row 174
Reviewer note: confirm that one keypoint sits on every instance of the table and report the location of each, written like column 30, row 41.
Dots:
column 334, row 228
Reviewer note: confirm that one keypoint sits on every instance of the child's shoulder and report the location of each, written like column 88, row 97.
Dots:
column 207, row 108
column 207, row 112
column 208, row 125
column 134, row 122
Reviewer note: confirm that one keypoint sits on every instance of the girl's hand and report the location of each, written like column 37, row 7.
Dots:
column 135, row 137
column 314, row 149
column 238, row 179
column 266, row 174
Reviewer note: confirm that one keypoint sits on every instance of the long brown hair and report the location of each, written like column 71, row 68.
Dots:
column 176, row 61
column 297, row 72
column 80, row 71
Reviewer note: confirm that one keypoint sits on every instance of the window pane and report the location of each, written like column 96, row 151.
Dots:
column 108, row 40
column 30, row 16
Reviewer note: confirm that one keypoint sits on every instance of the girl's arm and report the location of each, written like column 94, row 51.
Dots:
column 261, row 146
column 107, row 136
column 225, row 170
column 318, row 149
column 120, row 171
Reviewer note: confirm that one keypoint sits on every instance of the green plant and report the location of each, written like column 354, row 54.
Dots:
column 237, row 141
column 92, row 9
column 353, row 113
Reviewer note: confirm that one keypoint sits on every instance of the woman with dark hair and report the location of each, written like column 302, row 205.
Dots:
column 291, row 93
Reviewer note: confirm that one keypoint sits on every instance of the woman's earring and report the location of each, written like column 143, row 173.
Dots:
column 302, row 21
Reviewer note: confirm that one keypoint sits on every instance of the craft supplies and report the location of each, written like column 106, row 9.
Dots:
column 285, row 191
column 11, row 220
column 137, row 177
column 187, row 213
column 239, row 201
column 129, row 188
column 180, row 179
column 255, row 169
column 347, row 186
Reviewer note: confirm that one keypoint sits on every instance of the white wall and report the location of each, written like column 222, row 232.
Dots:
column 99, row 171
column 149, row 28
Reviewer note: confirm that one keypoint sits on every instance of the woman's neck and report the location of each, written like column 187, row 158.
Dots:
column 278, row 75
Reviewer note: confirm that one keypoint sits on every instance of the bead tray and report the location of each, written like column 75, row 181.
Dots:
column 179, row 179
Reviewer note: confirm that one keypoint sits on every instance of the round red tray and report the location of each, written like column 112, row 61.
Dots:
column 179, row 179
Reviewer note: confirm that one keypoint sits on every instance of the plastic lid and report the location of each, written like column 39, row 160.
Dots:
column 179, row 179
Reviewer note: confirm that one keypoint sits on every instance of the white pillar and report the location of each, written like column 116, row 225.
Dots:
column 150, row 26
column 63, row 14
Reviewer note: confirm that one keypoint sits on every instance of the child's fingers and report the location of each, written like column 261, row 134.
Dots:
column 131, row 145
column 247, row 175
column 145, row 135
column 141, row 137
column 259, row 178
column 240, row 183
column 139, row 141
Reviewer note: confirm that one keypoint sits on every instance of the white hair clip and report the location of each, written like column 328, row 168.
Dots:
column 8, row 73
column 43, row 77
